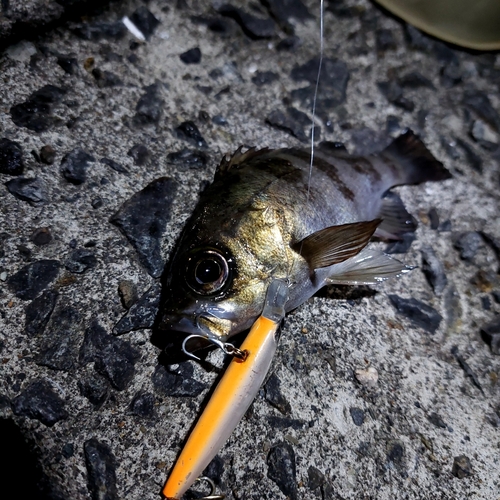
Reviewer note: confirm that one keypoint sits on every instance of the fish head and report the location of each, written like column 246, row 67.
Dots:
column 217, row 280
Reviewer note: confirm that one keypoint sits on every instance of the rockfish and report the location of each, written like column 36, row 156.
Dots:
column 268, row 216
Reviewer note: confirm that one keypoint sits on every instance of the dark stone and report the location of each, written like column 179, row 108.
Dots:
column 48, row 154
column 417, row 312
column 415, row 80
column 462, row 467
column 436, row 420
column 254, row 27
column 480, row 103
column 418, row 40
column 188, row 131
column 367, row 141
column 68, row 450
column 30, row 190
column 105, row 79
column 451, row 75
column 219, row 120
column 283, row 10
column 143, row 405
column 97, row 202
column 401, row 246
column 143, row 219
column 384, row 40
column 80, row 261
column 471, row 156
column 59, row 348
column 287, row 123
column 33, row 278
column 357, row 415
column 433, row 270
column 101, row 467
column 264, row 77
column 101, row 30
column 11, row 157
column 38, row 313
column 95, row 388
column 149, row 107
column 315, row 478
column 433, row 218
column 490, row 333
column 176, row 381
column 289, row 43
column 332, row 86
column 466, row 368
column 188, row 158
column 214, row 470
column 128, row 293
column 468, row 244
column 396, row 456
column 41, row 236
column 394, row 94
column 74, row 166
column 114, row 165
column 282, row 469
column 274, row 395
column 144, row 19
column 139, row 153
column 68, row 64
column 191, row 56
column 285, row 423
column 392, row 125
column 34, row 114
column 40, row 402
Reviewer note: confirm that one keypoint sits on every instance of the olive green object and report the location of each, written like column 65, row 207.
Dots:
column 470, row 23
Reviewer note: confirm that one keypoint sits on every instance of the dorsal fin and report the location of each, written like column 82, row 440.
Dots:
column 335, row 244
column 237, row 158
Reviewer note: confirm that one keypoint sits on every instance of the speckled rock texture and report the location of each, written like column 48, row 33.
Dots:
column 384, row 392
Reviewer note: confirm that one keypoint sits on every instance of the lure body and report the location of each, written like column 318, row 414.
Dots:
column 232, row 396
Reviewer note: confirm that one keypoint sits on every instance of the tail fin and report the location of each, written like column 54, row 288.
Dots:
column 415, row 160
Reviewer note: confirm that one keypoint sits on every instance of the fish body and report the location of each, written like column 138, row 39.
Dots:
column 268, row 215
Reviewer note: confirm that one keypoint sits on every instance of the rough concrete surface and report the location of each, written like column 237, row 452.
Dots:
column 383, row 392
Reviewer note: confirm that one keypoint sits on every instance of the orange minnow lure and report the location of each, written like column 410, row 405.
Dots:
column 232, row 396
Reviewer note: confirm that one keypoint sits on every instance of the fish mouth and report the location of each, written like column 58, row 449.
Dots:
column 203, row 324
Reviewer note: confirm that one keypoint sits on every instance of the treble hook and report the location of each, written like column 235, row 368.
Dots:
column 211, row 495
column 226, row 347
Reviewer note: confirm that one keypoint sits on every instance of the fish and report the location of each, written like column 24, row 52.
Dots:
column 273, row 214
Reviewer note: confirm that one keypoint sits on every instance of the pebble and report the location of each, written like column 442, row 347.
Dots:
column 139, row 153
column 384, row 40
column 34, row 114
column 275, row 397
column 101, row 470
column 128, row 293
column 143, row 405
column 114, row 165
column 367, row 377
column 33, row 278
column 396, row 456
column 106, row 79
column 142, row 313
column 292, row 122
column 59, row 346
column 357, row 415
column 433, row 270
column 80, row 261
column 471, row 156
column 436, row 420
column 21, row 51
column 99, row 30
column 462, row 467
column 433, row 218
column 394, row 94
column 39, row 401
column 143, row 219
column 191, row 56
column 282, row 469
column 188, row 131
column 315, row 478
column 401, row 246
column 290, row 43
column 490, row 333
column 95, row 388
column 484, row 134
column 188, row 158
column 422, row 315
column 47, row 154
column 149, row 108
column 145, row 20
column 30, row 190
column 178, row 382
column 283, row 10
column 68, row 64
column 467, row 244
column 415, row 80
column 38, row 312
column 254, row 27
column 451, row 75
column 480, row 103
column 264, row 78
column 74, row 165
column 11, row 157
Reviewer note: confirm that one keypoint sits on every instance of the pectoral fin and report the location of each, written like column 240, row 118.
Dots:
column 367, row 268
column 336, row 244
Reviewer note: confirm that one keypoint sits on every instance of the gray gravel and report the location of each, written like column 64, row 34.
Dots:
column 379, row 393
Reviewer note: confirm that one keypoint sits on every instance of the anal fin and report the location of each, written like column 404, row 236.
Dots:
column 369, row 267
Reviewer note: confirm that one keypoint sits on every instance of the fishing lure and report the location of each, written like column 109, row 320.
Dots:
column 232, row 396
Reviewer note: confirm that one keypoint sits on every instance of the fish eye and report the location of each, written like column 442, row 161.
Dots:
column 207, row 272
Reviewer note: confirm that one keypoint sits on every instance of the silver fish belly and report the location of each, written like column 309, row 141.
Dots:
column 266, row 216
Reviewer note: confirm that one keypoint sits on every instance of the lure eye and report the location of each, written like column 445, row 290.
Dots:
column 207, row 272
